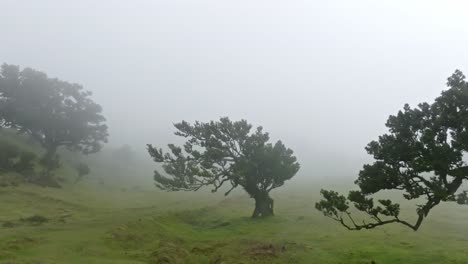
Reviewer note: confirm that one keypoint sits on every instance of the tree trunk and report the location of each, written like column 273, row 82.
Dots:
column 50, row 162
column 263, row 206
column 50, row 159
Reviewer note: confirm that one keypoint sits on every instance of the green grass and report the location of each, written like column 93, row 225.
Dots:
column 114, row 216
column 113, row 226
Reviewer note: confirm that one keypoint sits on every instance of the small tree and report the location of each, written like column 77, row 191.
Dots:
column 53, row 112
column 222, row 152
column 421, row 156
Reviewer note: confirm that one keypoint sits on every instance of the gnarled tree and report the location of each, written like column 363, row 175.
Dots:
column 222, row 152
column 54, row 112
column 422, row 156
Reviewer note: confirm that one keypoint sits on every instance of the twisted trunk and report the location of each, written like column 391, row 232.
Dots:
column 263, row 205
column 50, row 159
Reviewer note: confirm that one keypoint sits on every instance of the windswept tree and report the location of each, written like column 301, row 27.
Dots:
column 226, row 152
column 422, row 156
column 53, row 112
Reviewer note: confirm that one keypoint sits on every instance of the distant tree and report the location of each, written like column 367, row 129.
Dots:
column 222, row 152
column 55, row 113
column 422, row 155
column 82, row 170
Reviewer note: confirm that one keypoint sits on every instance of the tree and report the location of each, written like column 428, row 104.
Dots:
column 222, row 152
column 53, row 112
column 422, row 156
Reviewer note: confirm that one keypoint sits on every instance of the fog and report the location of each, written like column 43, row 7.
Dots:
column 322, row 76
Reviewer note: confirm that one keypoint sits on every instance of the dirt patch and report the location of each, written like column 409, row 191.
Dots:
column 169, row 253
column 266, row 250
column 261, row 250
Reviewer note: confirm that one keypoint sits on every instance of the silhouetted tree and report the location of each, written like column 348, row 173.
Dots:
column 222, row 152
column 53, row 112
column 422, row 155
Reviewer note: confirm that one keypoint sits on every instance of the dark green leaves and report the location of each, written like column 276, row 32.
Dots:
column 378, row 176
column 333, row 204
column 422, row 156
column 224, row 151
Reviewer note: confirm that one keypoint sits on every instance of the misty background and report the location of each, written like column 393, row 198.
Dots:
column 323, row 76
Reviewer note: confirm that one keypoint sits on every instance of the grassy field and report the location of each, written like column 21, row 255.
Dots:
column 105, row 219
column 90, row 225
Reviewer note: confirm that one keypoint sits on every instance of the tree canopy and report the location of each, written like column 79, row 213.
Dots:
column 221, row 152
column 422, row 156
column 54, row 112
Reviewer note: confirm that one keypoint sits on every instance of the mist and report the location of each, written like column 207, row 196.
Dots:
column 85, row 184
column 321, row 76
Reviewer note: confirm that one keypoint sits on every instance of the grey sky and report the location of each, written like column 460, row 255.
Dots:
column 323, row 76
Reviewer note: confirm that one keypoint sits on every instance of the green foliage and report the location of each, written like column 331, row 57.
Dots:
column 14, row 159
column 421, row 156
column 222, row 152
column 55, row 113
column 333, row 205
